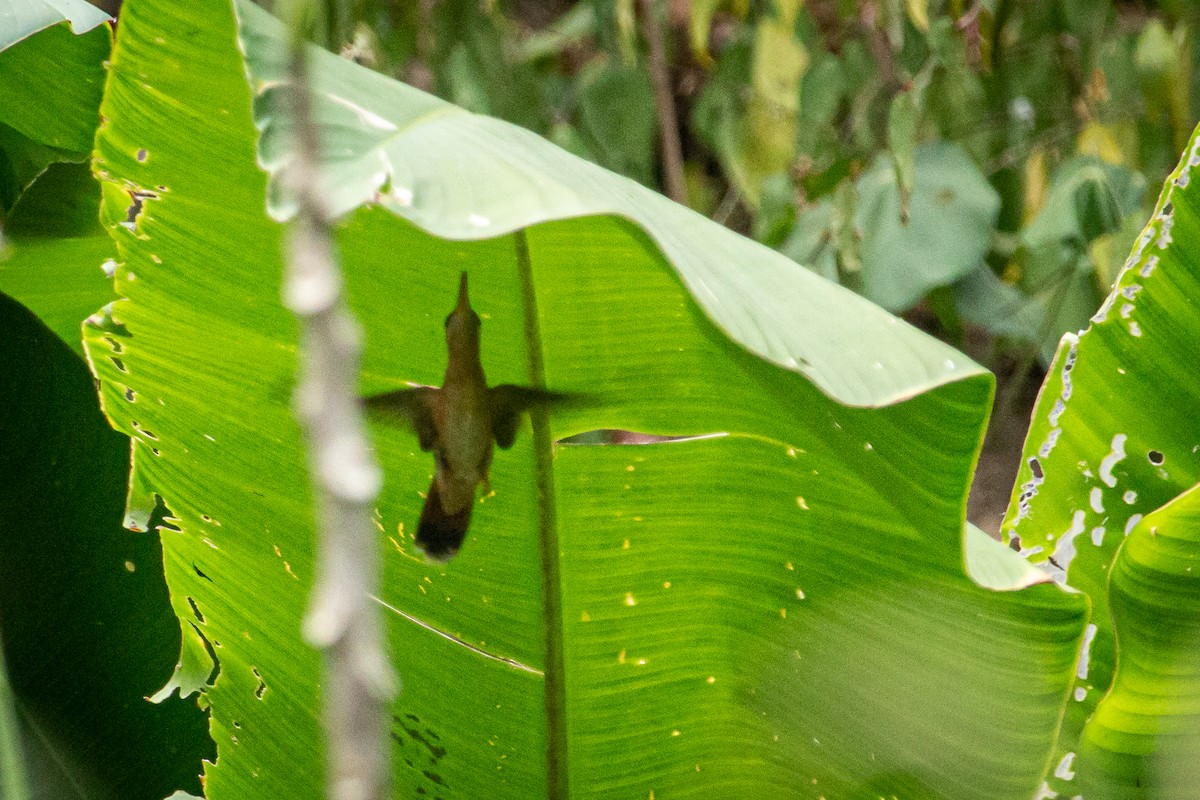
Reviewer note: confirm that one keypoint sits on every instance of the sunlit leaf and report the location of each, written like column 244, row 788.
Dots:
column 1145, row 736
column 782, row 600
column 1114, row 435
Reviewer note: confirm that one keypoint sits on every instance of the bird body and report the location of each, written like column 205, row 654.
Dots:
column 459, row 422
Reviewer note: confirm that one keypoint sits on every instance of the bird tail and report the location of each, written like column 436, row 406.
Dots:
column 440, row 533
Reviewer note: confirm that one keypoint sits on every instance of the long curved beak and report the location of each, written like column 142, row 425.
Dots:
column 464, row 302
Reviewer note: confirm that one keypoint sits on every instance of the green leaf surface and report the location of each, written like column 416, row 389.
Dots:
column 811, row 241
column 780, row 605
column 85, row 622
column 50, row 86
column 462, row 176
column 952, row 213
column 1114, row 435
column 14, row 782
column 903, row 115
column 1086, row 199
column 996, row 565
column 1144, row 739
column 60, row 260
column 23, row 18
column 616, row 109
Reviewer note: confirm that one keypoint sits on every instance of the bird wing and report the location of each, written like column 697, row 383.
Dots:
column 417, row 407
column 509, row 402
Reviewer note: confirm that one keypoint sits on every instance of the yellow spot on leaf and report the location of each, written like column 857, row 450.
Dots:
column 629, row 599
column 801, row 502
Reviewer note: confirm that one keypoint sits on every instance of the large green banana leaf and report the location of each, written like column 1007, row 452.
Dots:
column 1107, row 493
column 780, row 608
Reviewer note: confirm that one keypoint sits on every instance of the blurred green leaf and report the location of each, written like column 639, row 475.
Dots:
column 902, row 134
column 779, row 62
column 953, row 214
column 776, row 210
column 573, row 28
column 821, row 94
column 1086, row 199
column 1156, row 55
column 56, row 243
column 616, row 114
column 955, row 97
column 810, row 242
column 477, row 64
column 14, row 782
column 21, row 160
column 918, row 13
column 718, row 113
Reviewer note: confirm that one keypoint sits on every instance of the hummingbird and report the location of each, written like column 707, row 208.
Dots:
column 459, row 423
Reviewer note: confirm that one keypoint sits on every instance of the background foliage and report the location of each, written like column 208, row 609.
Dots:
column 802, row 124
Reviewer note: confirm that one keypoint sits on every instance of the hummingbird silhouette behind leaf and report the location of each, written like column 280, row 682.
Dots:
column 459, row 423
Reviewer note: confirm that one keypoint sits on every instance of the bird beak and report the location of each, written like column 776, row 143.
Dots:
column 464, row 303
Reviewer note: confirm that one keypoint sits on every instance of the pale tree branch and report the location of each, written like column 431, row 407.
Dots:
column 342, row 621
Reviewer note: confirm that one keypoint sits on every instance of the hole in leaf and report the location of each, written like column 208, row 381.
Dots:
column 1156, row 457
column 196, row 610
column 608, row 436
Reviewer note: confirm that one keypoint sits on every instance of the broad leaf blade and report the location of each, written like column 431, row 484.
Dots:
column 1114, row 435
column 1144, row 739
column 208, row 355
column 463, row 176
